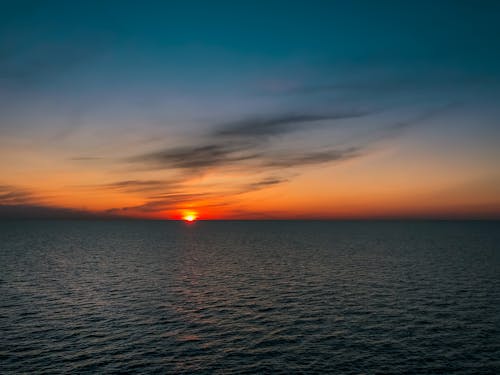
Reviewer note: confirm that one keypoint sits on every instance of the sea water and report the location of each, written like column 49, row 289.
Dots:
column 249, row 297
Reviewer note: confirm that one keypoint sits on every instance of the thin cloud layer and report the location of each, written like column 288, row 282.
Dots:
column 139, row 186
column 20, row 203
column 249, row 143
column 199, row 156
column 262, row 127
column 175, row 198
column 11, row 195
column 33, row 211
column 248, row 146
column 311, row 158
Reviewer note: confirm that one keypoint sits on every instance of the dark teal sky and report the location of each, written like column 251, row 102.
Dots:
column 143, row 80
column 245, row 48
column 186, row 40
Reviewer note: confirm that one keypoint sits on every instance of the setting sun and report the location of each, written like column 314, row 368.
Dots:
column 189, row 217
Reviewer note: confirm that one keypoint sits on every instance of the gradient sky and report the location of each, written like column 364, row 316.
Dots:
column 251, row 109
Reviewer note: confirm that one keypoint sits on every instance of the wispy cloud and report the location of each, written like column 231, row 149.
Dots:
column 86, row 158
column 424, row 115
column 310, row 158
column 247, row 143
column 204, row 155
column 167, row 201
column 33, row 211
column 11, row 195
column 175, row 198
column 262, row 127
column 248, row 146
column 16, row 202
column 139, row 186
column 266, row 182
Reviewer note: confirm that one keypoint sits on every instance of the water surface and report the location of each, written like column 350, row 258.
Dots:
column 249, row 297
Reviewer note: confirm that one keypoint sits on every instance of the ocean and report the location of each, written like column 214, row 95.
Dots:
column 237, row 297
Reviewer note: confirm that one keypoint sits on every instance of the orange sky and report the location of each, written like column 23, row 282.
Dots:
column 394, row 179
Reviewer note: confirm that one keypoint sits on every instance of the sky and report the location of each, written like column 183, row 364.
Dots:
column 250, row 109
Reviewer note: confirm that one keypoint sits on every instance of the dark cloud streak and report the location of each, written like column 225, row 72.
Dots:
column 19, row 203
column 199, row 156
column 246, row 143
column 10, row 195
column 259, row 127
column 33, row 211
column 139, row 186
column 311, row 158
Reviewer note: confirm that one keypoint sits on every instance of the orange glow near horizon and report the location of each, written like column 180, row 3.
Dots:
column 379, row 185
column 190, row 217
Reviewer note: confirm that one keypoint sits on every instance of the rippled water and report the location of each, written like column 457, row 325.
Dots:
column 249, row 297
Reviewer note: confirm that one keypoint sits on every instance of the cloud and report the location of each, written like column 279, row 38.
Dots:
column 174, row 198
column 260, row 127
column 248, row 147
column 246, row 143
column 424, row 115
column 20, row 203
column 139, row 186
column 33, row 211
column 199, row 156
column 315, row 157
column 10, row 195
column 86, row 158
column 17, row 202
column 266, row 182
column 167, row 201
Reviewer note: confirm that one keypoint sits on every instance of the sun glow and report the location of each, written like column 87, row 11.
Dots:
column 189, row 217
